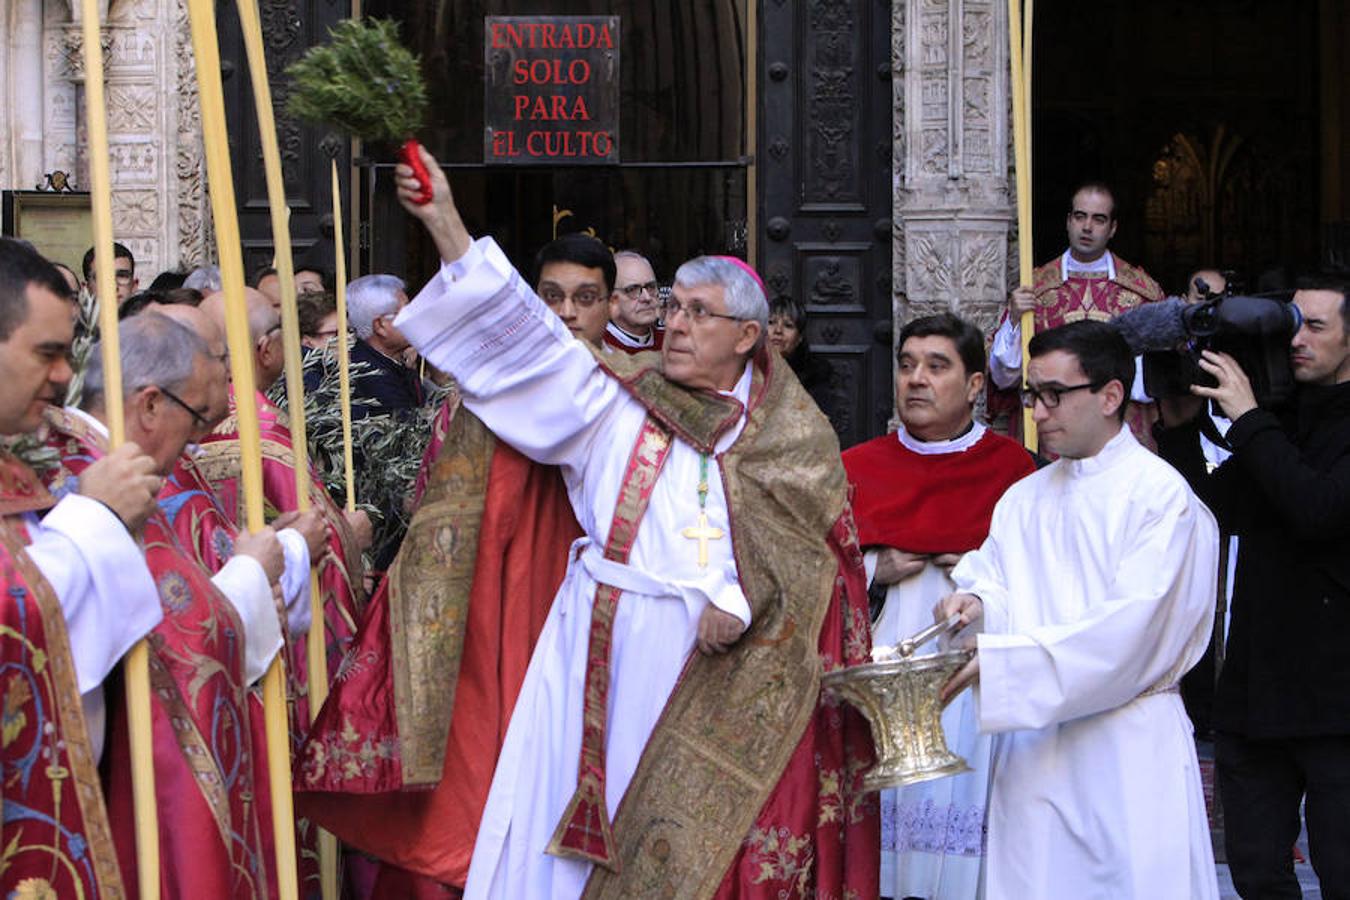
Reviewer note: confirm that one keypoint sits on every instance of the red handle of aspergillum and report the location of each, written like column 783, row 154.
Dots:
column 411, row 155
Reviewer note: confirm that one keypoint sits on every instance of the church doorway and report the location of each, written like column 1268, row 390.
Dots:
column 1205, row 118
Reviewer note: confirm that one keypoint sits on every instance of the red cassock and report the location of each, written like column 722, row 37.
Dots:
column 207, row 533
column 340, row 566
column 351, row 778
column 939, row 503
column 210, row 827
column 56, row 837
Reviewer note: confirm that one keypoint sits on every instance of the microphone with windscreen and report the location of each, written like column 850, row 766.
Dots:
column 1171, row 334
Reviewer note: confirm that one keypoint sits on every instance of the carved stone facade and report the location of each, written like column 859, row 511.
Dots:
column 159, row 203
column 952, row 193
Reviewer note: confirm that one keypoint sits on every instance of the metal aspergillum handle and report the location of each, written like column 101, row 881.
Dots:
column 910, row 644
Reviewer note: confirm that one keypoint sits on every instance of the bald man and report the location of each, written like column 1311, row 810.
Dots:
column 264, row 331
column 344, row 535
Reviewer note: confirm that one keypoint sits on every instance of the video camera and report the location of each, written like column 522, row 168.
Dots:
column 1172, row 333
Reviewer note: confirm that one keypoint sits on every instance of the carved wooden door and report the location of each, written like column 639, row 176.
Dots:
column 824, row 162
column 289, row 28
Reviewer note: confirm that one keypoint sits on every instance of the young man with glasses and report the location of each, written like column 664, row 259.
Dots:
column 576, row 276
column 124, row 271
column 1093, row 595
column 634, row 306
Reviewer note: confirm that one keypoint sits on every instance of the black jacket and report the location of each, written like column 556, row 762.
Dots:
column 390, row 387
column 1286, row 494
column 817, row 376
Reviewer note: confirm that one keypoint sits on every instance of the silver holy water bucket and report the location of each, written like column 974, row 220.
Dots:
column 898, row 694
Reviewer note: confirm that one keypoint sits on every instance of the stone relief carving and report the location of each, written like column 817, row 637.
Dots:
column 931, row 266
column 952, row 164
column 132, row 108
column 982, row 267
column 134, row 163
column 136, row 211
column 194, row 239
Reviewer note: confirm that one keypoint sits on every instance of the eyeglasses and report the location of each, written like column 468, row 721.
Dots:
column 1050, row 395
column 197, row 418
column 584, row 297
column 634, row 291
column 696, row 311
column 124, row 276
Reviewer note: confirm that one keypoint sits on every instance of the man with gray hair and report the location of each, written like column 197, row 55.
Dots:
column 219, row 633
column 168, row 385
column 713, row 505
column 389, row 386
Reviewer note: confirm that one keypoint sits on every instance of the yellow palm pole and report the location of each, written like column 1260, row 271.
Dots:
column 206, row 48
column 138, row 660
column 344, row 361
column 316, row 651
column 1019, row 58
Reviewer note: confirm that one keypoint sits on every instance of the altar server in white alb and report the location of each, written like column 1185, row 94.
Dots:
column 1093, row 595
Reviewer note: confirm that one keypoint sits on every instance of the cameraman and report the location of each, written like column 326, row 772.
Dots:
column 1282, row 707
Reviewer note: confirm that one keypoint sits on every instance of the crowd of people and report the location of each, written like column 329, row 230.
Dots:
column 585, row 658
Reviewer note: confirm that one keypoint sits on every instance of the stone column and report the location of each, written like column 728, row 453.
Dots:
column 159, row 205
column 952, row 208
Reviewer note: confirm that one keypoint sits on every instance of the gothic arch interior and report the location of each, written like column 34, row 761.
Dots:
column 1204, row 116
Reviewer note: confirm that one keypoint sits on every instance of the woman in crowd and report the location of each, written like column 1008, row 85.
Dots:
column 787, row 335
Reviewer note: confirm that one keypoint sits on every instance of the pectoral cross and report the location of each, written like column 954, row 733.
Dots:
column 702, row 533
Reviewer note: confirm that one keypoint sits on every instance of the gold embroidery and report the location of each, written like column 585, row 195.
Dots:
column 429, row 586
column 733, row 721
column 70, row 715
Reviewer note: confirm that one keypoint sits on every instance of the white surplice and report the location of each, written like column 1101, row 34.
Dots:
column 1098, row 582
column 541, row 391
column 108, row 598
column 932, row 833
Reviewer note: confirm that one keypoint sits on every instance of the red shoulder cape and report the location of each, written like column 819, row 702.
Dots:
column 930, row 504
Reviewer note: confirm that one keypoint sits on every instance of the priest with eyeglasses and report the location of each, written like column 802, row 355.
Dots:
column 634, row 307
column 670, row 737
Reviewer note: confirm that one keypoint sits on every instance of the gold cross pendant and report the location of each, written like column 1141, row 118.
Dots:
column 702, row 533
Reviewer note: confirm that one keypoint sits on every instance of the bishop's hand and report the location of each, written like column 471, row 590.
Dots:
column 718, row 630
column 440, row 216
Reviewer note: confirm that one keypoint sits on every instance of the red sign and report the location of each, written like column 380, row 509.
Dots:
column 551, row 92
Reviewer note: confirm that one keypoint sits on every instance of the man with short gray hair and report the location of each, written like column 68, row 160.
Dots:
column 372, row 303
column 713, row 505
